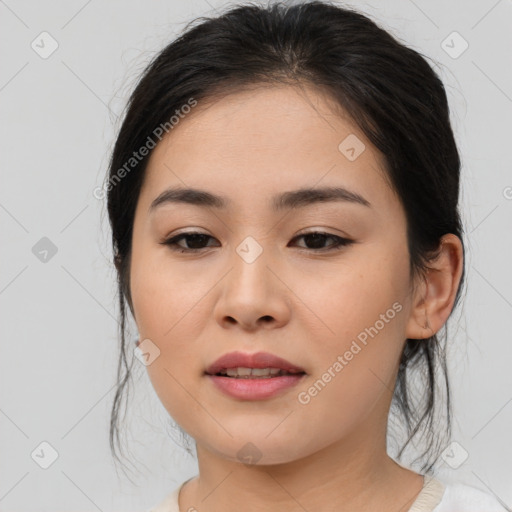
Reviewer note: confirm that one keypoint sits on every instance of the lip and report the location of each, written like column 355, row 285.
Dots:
column 244, row 360
column 253, row 388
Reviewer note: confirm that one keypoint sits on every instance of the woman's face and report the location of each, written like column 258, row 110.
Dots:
column 255, row 284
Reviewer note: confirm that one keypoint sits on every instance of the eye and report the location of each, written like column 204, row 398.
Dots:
column 315, row 238
column 197, row 240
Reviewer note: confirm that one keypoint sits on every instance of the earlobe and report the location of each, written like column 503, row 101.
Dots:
column 436, row 294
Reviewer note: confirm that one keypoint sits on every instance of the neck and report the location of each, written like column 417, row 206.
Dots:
column 355, row 473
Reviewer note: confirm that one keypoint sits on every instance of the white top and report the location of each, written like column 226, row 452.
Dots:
column 435, row 496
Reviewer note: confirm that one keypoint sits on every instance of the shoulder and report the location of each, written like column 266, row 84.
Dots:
column 169, row 503
column 459, row 497
column 456, row 497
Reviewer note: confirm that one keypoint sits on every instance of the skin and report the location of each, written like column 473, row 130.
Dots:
column 298, row 302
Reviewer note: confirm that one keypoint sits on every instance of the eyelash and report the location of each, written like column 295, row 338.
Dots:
column 340, row 242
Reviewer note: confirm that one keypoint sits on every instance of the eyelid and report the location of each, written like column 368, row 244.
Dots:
column 320, row 230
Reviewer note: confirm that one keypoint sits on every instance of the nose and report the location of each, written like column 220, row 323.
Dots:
column 253, row 296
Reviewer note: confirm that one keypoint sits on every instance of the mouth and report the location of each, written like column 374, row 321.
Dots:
column 255, row 373
column 261, row 365
column 253, row 376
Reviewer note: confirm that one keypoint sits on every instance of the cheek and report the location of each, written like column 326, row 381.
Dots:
column 171, row 310
column 360, row 315
column 357, row 359
column 162, row 293
column 343, row 302
column 168, row 310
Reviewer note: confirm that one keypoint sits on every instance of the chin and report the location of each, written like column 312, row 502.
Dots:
column 257, row 449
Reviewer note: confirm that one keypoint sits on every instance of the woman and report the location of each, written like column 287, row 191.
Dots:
column 283, row 197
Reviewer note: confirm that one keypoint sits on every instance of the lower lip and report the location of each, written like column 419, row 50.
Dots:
column 255, row 389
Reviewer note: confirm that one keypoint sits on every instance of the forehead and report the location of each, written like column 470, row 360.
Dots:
column 254, row 143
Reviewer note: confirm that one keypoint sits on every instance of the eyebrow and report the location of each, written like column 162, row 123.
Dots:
column 292, row 199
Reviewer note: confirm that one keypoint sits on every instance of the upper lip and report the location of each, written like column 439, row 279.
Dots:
column 257, row 360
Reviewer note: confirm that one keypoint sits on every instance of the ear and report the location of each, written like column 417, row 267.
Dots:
column 435, row 295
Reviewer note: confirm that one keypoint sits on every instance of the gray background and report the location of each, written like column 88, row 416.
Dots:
column 58, row 330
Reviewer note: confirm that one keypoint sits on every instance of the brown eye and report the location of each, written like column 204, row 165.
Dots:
column 316, row 240
column 196, row 242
